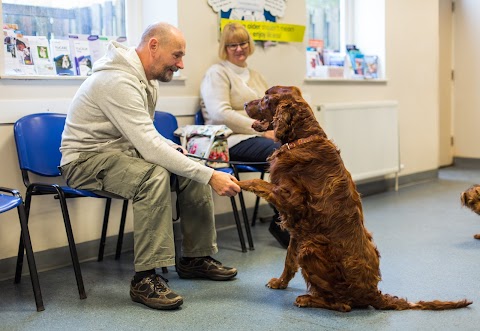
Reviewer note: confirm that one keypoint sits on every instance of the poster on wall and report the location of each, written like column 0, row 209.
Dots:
column 260, row 19
column 41, row 55
column 249, row 10
column 18, row 58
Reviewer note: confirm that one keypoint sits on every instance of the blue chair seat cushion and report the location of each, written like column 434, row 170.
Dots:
column 226, row 170
column 8, row 202
column 251, row 168
column 69, row 191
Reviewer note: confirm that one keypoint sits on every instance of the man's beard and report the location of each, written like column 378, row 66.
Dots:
column 166, row 74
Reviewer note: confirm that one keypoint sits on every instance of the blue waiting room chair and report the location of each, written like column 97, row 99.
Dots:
column 10, row 199
column 166, row 124
column 38, row 138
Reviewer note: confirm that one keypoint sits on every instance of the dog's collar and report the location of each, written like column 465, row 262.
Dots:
column 293, row 144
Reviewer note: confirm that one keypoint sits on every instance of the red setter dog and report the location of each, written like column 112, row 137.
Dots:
column 321, row 208
column 471, row 199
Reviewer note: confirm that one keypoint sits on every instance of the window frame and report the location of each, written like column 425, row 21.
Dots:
column 137, row 12
column 348, row 23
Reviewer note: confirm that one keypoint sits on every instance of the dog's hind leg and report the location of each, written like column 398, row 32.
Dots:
column 322, row 274
column 291, row 267
column 308, row 300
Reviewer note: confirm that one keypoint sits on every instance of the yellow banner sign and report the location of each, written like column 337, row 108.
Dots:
column 271, row 31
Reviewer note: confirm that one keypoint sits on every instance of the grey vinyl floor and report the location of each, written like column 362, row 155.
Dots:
column 424, row 236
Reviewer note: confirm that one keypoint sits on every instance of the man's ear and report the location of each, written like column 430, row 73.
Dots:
column 153, row 44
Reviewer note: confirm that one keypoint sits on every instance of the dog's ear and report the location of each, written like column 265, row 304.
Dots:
column 294, row 119
column 463, row 198
column 296, row 90
column 282, row 120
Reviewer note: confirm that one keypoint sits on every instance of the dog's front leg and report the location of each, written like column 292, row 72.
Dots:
column 265, row 190
column 291, row 267
column 257, row 186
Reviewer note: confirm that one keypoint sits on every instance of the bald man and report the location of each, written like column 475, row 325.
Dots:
column 110, row 146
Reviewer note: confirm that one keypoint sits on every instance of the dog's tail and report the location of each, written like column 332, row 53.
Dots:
column 389, row 302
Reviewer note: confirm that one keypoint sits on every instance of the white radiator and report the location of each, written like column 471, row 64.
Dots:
column 366, row 134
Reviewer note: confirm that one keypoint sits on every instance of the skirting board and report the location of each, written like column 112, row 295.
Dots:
column 466, row 162
column 60, row 257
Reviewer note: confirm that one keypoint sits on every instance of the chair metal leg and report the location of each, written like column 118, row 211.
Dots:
column 19, row 267
column 121, row 230
column 257, row 203
column 21, row 247
column 244, row 213
column 239, row 225
column 71, row 243
column 30, row 258
column 103, row 237
column 245, row 221
column 255, row 210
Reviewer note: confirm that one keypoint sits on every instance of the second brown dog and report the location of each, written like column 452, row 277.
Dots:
column 471, row 199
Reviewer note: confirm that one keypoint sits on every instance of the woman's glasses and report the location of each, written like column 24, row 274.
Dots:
column 232, row 47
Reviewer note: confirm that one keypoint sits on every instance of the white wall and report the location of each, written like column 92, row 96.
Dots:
column 140, row 15
column 467, row 78
column 411, row 36
column 445, row 125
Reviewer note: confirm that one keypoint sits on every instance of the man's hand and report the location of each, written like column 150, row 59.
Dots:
column 224, row 184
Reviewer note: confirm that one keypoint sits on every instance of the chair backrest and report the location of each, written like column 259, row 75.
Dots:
column 38, row 138
column 199, row 120
column 166, row 124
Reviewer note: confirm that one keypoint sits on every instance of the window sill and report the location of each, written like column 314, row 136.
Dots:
column 26, row 77
column 315, row 80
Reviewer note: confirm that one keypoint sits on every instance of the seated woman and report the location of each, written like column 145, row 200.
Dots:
column 227, row 85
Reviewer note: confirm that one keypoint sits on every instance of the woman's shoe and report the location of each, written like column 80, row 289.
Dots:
column 282, row 236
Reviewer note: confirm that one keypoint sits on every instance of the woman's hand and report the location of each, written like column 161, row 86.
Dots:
column 180, row 149
column 270, row 134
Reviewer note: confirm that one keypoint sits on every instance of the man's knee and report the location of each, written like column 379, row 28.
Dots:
column 195, row 191
column 157, row 178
